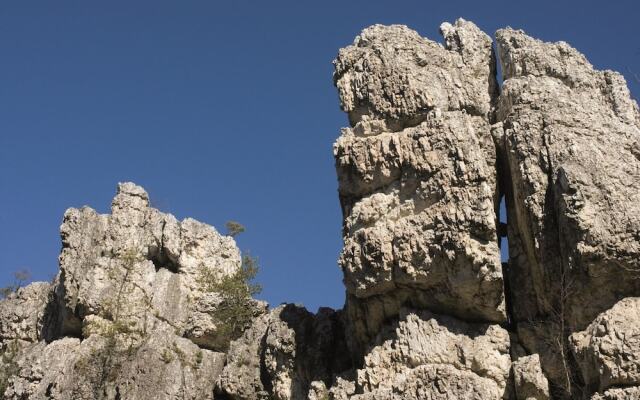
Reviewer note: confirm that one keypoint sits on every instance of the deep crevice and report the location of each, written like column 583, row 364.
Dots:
column 503, row 243
column 159, row 257
column 264, row 374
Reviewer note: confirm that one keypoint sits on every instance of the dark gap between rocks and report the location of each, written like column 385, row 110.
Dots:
column 161, row 260
column 503, row 243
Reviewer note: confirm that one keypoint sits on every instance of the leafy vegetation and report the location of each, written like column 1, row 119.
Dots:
column 234, row 228
column 235, row 311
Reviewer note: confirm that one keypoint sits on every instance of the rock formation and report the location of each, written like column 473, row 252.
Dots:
column 431, row 311
column 417, row 178
column 125, row 316
column 433, row 145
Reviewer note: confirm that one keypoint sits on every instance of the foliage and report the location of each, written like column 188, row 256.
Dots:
column 234, row 228
column 166, row 356
column 235, row 311
column 8, row 366
column 199, row 357
column 20, row 277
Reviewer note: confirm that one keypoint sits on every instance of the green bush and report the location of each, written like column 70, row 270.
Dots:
column 236, row 311
column 234, row 228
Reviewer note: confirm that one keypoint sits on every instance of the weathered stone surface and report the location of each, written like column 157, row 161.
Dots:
column 630, row 393
column 22, row 313
column 160, row 366
column 570, row 136
column 129, row 294
column 417, row 178
column 608, row 351
column 141, row 265
column 391, row 73
column 287, row 354
column 429, row 356
column 529, row 381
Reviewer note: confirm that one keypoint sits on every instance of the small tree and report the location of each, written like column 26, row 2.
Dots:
column 20, row 277
column 234, row 228
column 235, row 311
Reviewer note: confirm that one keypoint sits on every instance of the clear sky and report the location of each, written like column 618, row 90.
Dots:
column 221, row 110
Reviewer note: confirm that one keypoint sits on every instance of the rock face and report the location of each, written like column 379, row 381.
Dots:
column 569, row 142
column 139, row 265
column 424, row 351
column 608, row 351
column 22, row 314
column 125, row 316
column 417, row 178
column 529, row 380
column 286, row 355
column 102, row 367
column 431, row 311
column 432, row 147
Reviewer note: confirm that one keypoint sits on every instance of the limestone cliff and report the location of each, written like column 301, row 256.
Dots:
column 431, row 311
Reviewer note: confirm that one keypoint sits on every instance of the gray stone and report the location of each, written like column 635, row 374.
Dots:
column 429, row 356
column 127, row 317
column 569, row 136
column 431, row 312
column 529, row 381
column 608, row 350
column 141, row 265
column 630, row 393
column 417, row 178
column 160, row 366
column 288, row 354
column 22, row 314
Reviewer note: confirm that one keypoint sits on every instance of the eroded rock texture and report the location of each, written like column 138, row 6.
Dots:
column 431, row 148
column 139, row 265
column 417, row 178
column 529, row 381
column 608, row 350
column 22, row 314
column 570, row 148
column 286, row 354
column 125, row 317
column 427, row 356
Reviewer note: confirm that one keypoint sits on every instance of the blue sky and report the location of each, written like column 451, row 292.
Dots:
column 221, row 110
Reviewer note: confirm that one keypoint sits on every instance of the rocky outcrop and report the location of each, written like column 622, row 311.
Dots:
column 608, row 350
column 22, row 314
column 139, row 265
column 529, row 380
column 570, row 137
column 431, row 312
column 417, row 177
column 286, row 355
column 424, row 351
column 105, row 367
column 126, row 315
column 431, row 148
